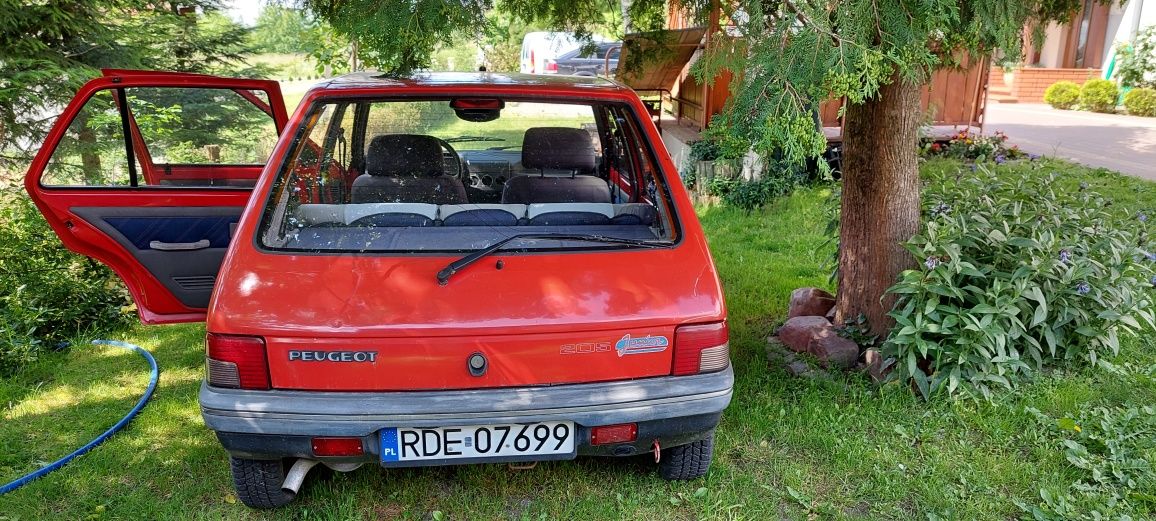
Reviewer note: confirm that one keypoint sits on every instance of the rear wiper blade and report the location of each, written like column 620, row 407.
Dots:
column 460, row 264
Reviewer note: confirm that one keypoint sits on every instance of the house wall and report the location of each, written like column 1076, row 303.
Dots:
column 1030, row 83
column 1053, row 48
column 1121, row 20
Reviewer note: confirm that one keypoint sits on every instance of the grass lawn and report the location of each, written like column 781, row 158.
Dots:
column 787, row 448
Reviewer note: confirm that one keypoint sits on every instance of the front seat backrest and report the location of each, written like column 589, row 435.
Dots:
column 569, row 154
column 406, row 168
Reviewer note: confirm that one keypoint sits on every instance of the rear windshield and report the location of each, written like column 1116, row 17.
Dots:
column 459, row 174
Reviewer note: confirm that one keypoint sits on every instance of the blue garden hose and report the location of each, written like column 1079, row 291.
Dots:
column 154, row 374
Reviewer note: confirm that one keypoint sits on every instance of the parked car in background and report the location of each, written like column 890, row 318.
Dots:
column 586, row 61
column 446, row 269
column 540, row 49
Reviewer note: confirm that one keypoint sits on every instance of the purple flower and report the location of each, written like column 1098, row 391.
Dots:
column 973, row 167
column 1033, row 157
column 1083, row 288
column 1149, row 255
column 931, row 262
column 1142, row 217
column 1152, row 281
column 1000, row 159
column 1065, row 255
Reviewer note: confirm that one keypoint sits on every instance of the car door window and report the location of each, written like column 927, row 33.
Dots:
column 203, row 126
column 177, row 137
column 91, row 152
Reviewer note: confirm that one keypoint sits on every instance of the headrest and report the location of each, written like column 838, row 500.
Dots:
column 558, row 148
column 409, row 155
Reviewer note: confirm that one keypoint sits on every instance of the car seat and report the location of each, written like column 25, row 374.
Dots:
column 406, row 168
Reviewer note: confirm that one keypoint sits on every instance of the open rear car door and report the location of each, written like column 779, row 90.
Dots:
column 148, row 173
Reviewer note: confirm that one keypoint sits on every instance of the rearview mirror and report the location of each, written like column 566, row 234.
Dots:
column 478, row 110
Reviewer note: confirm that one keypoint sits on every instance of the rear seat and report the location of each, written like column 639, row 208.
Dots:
column 577, row 214
column 570, row 214
column 421, row 214
column 481, row 214
column 367, row 214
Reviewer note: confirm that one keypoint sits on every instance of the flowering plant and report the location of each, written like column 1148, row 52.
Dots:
column 976, row 147
column 1013, row 275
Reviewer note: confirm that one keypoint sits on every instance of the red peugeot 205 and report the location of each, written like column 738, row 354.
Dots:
column 435, row 270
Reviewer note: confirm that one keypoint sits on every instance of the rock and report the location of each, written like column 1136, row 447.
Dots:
column 810, row 302
column 815, row 335
column 835, row 351
column 777, row 353
column 877, row 367
column 797, row 333
column 798, row 368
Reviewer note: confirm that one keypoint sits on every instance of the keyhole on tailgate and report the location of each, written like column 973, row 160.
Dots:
column 499, row 265
column 477, row 364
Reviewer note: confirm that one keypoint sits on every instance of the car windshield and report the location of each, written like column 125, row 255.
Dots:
column 459, row 174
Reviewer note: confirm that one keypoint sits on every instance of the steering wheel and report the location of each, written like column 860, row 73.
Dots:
column 450, row 148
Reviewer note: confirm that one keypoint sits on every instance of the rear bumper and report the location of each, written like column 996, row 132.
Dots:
column 270, row 424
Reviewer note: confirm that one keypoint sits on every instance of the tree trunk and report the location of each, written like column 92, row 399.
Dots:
column 89, row 156
column 880, row 205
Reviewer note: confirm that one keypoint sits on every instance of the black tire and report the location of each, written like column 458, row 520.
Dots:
column 258, row 482
column 685, row 462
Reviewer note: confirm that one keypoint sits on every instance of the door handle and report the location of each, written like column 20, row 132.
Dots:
column 179, row 246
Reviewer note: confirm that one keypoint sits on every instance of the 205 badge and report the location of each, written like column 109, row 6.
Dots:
column 628, row 345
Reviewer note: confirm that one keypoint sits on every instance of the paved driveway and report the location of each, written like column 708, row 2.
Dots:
column 1123, row 143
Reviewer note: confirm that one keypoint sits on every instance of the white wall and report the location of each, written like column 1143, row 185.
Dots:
column 1120, row 21
column 1053, row 49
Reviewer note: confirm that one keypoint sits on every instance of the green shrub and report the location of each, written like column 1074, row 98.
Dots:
column 777, row 180
column 1137, row 64
column 1113, row 452
column 1063, row 95
column 1015, row 275
column 1141, row 102
column 1099, row 96
column 48, row 294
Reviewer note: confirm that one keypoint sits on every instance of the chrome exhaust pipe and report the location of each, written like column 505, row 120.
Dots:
column 296, row 475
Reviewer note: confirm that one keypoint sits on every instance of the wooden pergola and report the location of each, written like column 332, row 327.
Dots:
column 954, row 98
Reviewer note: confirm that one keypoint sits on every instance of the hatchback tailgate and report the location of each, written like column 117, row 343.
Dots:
column 433, row 362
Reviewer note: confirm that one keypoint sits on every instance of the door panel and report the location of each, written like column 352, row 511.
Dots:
column 181, row 247
column 133, row 175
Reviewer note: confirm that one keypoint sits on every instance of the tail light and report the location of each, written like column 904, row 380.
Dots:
column 551, row 67
column 533, row 63
column 701, row 348
column 237, row 361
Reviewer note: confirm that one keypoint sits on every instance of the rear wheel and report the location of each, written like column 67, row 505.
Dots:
column 258, row 482
column 688, row 461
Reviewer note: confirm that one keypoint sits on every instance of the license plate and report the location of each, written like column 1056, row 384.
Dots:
column 399, row 444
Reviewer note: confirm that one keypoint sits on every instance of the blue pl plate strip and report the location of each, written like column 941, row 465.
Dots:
column 389, row 444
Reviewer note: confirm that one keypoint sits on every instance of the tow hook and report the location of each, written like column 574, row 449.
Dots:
column 523, row 466
column 657, row 451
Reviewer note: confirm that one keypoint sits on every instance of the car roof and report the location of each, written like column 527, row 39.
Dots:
column 440, row 80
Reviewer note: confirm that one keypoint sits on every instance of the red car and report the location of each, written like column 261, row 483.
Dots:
column 436, row 270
